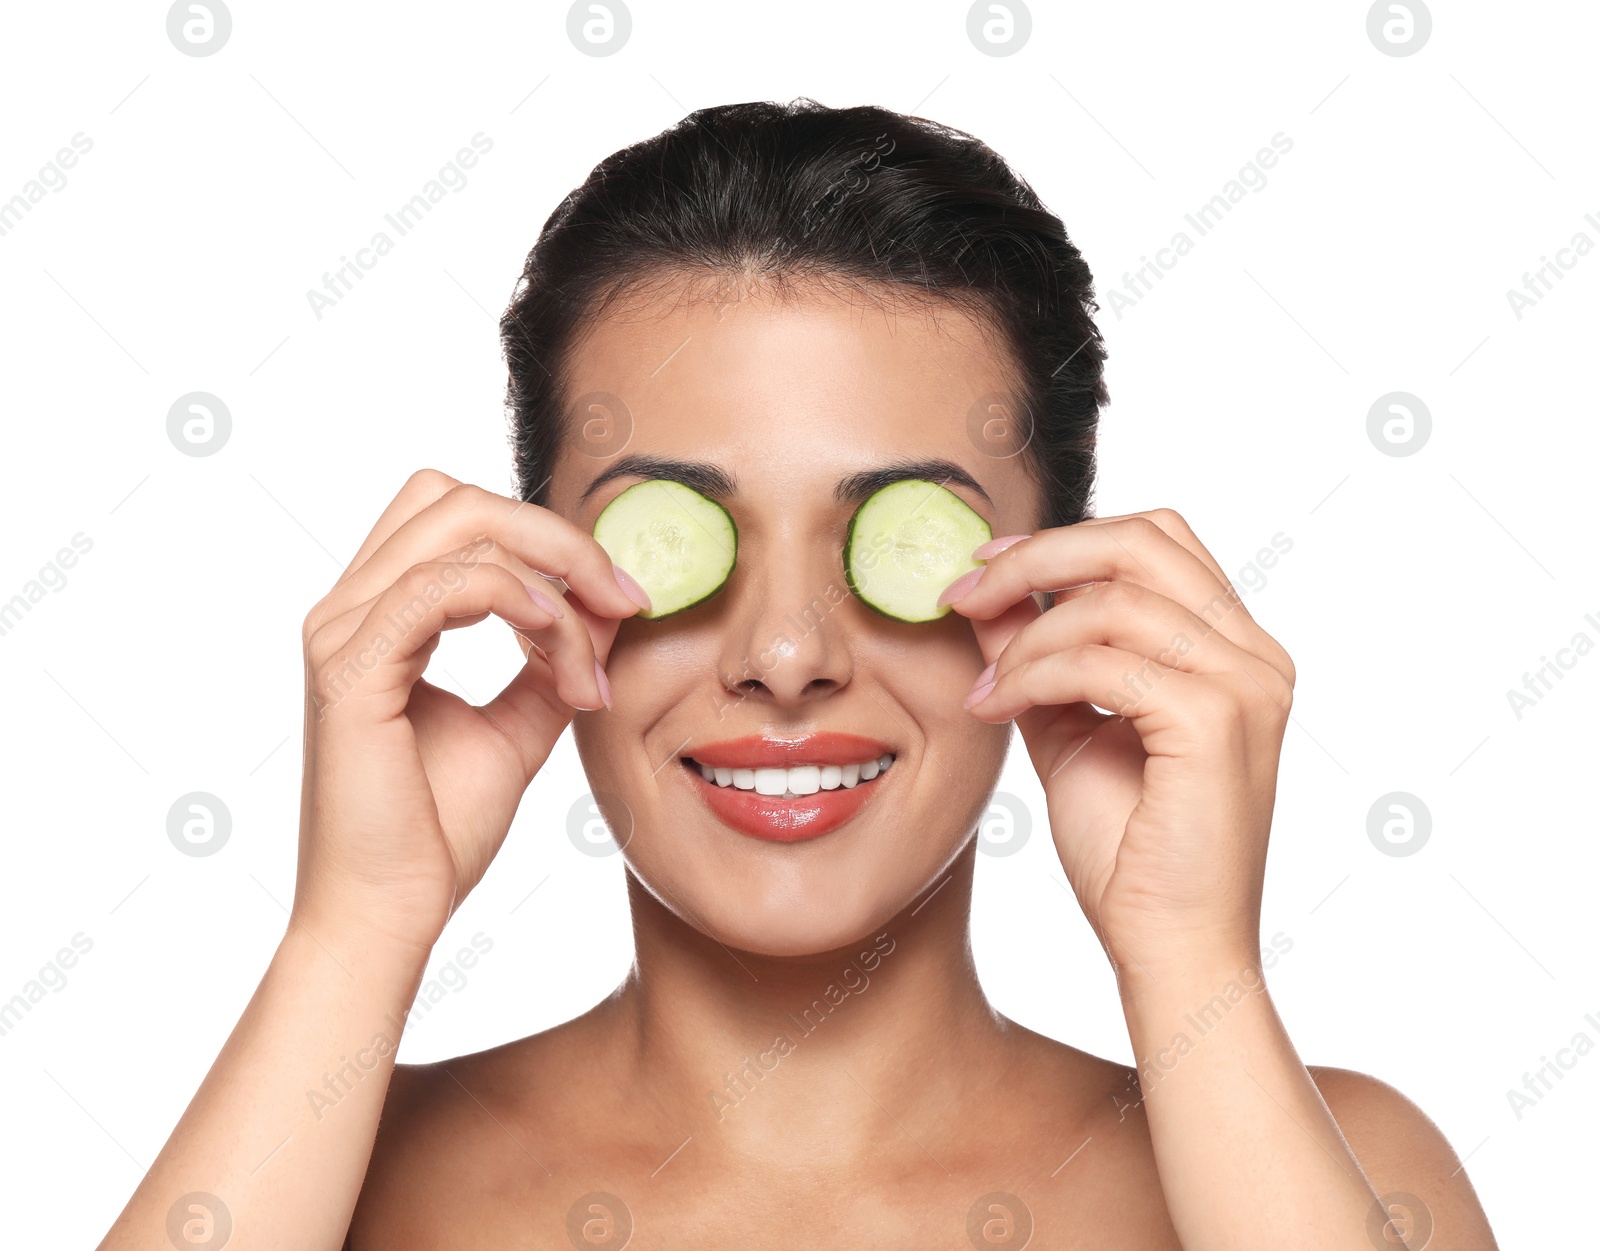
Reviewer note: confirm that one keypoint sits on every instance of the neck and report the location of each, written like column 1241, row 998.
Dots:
column 829, row 1054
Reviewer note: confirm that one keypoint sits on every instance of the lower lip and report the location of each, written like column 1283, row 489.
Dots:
column 781, row 820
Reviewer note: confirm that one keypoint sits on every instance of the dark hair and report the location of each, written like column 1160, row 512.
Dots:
column 883, row 202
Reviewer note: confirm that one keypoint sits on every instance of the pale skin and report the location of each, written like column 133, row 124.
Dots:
column 916, row 1098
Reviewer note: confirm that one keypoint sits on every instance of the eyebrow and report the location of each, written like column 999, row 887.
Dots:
column 718, row 483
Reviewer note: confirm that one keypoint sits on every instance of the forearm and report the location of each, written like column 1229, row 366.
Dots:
column 282, row 1128
column 1248, row 1153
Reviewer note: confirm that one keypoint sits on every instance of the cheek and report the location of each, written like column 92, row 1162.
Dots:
column 660, row 696
column 909, row 682
column 930, row 679
column 931, row 666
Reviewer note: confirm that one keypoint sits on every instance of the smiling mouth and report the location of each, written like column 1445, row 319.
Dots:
column 796, row 782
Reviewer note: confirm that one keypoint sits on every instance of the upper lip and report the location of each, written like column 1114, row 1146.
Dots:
column 758, row 751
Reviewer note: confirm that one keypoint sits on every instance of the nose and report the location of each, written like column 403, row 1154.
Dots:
column 787, row 645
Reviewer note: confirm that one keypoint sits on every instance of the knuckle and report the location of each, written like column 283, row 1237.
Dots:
column 319, row 645
column 463, row 496
column 481, row 547
column 463, row 499
column 428, row 577
column 412, row 590
column 317, row 649
column 1217, row 703
column 418, row 575
column 1225, row 601
column 1119, row 595
column 1079, row 655
column 424, row 488
column 1168, row 519
column 493, row 575
column 1270, row 693
column 429, row 482
column 1143, row 530
column 331, row 681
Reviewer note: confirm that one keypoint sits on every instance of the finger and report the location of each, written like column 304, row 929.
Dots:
column 420, row 489
column 333, row 631
column 996, row 633
column 1136, row 619
column 1176, row 528
column 561, row 648
column 602, row 630
column 527, row 703
column 389, row 648
column 1134, row 549
column 531, row 698
column 1171, row 711
column 1180, row 531
column 465, row 515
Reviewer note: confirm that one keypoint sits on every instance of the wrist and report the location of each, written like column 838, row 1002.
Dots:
column 391, row 967
column 1189, row 975
column 1176, row 1006
column 353, row 919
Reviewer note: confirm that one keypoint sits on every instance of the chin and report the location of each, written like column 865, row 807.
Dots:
column 800, row 927
column 792, row 900
column 791, row 847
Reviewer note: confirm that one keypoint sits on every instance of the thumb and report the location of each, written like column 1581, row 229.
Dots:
column 602, row 630
column 995, row 633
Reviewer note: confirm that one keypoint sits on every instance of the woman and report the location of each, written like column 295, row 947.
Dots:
column 787, row 308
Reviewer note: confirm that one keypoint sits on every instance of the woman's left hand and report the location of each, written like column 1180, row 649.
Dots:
column 1161, row 809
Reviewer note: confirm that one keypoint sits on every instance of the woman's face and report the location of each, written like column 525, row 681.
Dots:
column 785, row 399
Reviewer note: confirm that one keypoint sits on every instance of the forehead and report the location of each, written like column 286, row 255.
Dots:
column 786, row 386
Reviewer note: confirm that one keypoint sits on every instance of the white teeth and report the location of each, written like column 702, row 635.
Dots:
column 771, row 781
column 805, row 779
column 798, row 781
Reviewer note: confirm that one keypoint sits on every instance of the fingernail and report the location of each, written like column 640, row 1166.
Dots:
column 995, row 546
column 605, row 685
column 545, row 602
column 634, row 591
column 982, row 684
column 959, row 587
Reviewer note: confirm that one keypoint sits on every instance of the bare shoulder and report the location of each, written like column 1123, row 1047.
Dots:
column 462, row 1137
column 1407, row 1158
column 1083, row 1153
column 425, row 1147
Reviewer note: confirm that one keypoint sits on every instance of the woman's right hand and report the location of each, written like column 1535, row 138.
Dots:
column 408, row 790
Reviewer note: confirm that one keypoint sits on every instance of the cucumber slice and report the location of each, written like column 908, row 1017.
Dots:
column 907, row 542
column 678, row 545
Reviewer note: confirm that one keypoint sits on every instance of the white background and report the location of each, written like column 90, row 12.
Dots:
column 1417, row 590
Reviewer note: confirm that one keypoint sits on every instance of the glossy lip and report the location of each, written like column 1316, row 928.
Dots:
column 760, row 751
column 771, row 817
